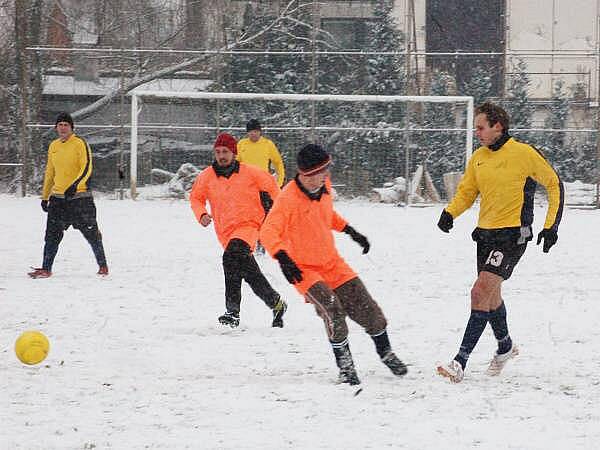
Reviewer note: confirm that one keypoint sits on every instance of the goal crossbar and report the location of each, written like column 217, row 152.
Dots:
column 136, row 95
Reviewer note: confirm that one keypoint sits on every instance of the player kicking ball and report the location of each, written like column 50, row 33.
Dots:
column 504, row 173
column 298, row 234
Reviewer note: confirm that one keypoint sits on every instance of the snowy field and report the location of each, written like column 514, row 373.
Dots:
column 138, row 360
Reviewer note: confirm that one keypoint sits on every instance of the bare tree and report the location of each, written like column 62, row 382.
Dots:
column 143, row 75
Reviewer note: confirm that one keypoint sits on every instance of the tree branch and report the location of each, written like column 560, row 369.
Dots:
column 138, row 81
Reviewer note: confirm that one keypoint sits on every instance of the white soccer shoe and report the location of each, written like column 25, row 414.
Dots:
column 499, row 361
column 452, row 370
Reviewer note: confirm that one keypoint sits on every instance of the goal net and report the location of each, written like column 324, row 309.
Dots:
column 373, row 139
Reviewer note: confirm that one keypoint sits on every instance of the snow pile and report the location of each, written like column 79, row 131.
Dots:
column 392, row 191
column 177, row 184
column 580, row 194
column 422, row 189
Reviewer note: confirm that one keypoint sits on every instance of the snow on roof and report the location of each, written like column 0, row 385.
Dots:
column 68, row 85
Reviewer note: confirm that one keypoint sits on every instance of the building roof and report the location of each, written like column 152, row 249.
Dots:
column 68, row 85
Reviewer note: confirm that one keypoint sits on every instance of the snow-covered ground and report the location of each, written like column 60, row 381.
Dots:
column 139, row 361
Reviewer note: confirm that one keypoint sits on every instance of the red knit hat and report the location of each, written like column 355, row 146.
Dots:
column 226, row 140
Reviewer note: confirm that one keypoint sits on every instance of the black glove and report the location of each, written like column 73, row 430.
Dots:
column 266, row 201
column 71, row 190
column 45, row 205
column 549, row 236
column 446, row 221
column 360, row 239
column 289, row 268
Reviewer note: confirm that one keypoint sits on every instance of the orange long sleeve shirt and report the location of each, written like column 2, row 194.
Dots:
column 302, row 227
column 235, row 204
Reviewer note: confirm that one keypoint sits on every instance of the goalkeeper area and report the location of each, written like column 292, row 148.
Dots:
column 373, row 139
column 138, row 359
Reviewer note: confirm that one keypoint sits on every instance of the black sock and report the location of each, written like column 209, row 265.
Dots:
column 382, row 343
column 475, row 326
column 498, row 322
column 341, row 351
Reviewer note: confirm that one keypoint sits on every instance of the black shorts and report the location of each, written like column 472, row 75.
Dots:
column 79, row 213
column 499, row 251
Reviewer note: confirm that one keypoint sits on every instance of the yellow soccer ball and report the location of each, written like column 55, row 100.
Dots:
column 32, row 347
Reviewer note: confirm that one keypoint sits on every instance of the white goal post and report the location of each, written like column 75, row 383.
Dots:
column 314, row 98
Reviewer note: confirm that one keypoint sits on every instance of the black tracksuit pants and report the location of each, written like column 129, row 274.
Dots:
column 81, row 214
column 238, row 265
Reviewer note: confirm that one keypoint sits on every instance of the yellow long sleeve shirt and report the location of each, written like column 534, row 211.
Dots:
column 69, row 162
column 260, row 154
column 506, row 180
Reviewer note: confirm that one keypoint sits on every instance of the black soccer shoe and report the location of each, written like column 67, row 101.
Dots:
column 231, row 319
column 397, row 367
column 349, row 376
column 278, row 311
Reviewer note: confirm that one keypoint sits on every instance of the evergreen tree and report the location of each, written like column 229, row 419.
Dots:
column 479, row 85
column 380, row 156
column 552, row 143
column 584, row 160
column 558, row 113
column 440, row 151
column 291, row 73
column 384, row 74
column 518, row 105
column 270, row 73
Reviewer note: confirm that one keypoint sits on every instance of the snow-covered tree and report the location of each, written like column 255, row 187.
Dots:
column 381, row 154
column 479, row 85
column 440, row 152
column 517, row 103
column 270, row 72
column 558, row 114
column 384, row 74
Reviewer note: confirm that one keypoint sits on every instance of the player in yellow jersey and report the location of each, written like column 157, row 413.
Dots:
column 66, row 196
column 504, row 173
column 257, row 150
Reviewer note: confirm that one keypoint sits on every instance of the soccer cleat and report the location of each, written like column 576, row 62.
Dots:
column 499, row 361
column 452, row 370
column 231, row 319
column 103, row 271
column 397, row 367
column 348, row 375
column 278, row 311
column 39, row 273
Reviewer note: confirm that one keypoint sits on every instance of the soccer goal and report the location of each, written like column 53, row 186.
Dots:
column 374, row 139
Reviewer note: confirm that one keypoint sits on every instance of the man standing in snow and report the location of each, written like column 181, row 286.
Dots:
column 66, row 196
column 298, row 233
column 256, row 150
column 505, row 173
column 234, row 191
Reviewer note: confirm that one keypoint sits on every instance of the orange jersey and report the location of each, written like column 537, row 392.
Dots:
column 302, row 227
column 235, row 204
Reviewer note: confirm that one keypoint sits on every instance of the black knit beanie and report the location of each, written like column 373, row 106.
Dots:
column 64, row 117
column 312, row 158
column 253, row 124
